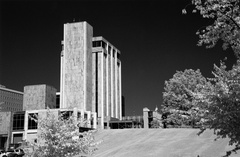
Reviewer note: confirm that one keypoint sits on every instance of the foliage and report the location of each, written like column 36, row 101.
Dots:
column 223, row 104
column 226, row 25
column 60, row 137
column 179, row 104
column 156, row 124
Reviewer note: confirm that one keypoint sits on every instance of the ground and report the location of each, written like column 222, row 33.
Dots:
column 160, row 143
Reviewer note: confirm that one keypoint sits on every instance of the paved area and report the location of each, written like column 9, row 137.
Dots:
column 160, row 143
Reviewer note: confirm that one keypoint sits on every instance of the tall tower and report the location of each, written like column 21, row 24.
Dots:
column 76, row 66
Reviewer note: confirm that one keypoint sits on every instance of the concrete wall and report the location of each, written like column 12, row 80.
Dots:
column 39, row 97
column 76, row 67
column 5, row 121
column 10, row 100
column 5, row 126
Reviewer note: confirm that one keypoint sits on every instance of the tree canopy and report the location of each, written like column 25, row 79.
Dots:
column 223, row 104
column 179, row 103
column 225, row 26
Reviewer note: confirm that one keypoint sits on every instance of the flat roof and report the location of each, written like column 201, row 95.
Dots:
column 10, row 90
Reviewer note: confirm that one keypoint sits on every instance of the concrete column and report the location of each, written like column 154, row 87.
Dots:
column 116, row 85
column 25, row 125
column 88, row 119
column 82, row 117
column 112, row 95
column 61, row 76
column 120, row 90
column 102, row 92
column 62, row 87
column 145, row 118
column 107, row 88
column 94, row 116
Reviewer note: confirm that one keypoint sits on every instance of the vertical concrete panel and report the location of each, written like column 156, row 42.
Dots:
column 88, row 64
column 77, row 73
column 94, row 79
column 113, row 85
column 100, row 85
column 105, row 83
column 109, row 85
column 118, row 91
column 5, row 122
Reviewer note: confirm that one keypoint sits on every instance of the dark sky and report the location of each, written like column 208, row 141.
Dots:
column 154, row 38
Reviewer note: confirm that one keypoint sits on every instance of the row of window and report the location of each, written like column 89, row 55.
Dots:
column 104, row 45
column 18, row 121
column 10, row 94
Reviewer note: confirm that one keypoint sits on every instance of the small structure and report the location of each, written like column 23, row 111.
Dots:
column 150, row 116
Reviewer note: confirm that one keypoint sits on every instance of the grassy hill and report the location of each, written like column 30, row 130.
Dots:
column 160, row 143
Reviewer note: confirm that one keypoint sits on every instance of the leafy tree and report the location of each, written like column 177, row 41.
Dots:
column 58, row 136
column 226, row 25
column 223, row 104
column 156, row 123
column 179, row 104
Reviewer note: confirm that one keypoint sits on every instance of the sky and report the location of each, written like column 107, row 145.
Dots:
column 154, row 37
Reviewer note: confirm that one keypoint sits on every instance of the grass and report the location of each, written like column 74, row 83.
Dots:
column 160, row 143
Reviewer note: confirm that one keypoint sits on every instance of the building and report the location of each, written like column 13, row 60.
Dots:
column 39, row 97
column 150, row 116
column 90, row 87
column 10, row 100
column 38, row 100
column 90, row 73
column 25, row 128
column 106, row 80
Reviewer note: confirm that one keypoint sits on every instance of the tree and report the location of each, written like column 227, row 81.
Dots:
column 58, row 136
column 179, row 104
column 156, row 123
column 226, row 25
column 223, row 105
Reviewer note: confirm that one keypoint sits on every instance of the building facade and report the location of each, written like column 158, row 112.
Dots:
column 106, row 80
column 10, row 100
column 90, row 73
column 76, row 66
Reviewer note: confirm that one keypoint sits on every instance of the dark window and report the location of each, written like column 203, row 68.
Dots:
column 118, row 55
column 32, row 121
column 18, row 121
column 150, row 114
column 57, row 101
column 109, row 49
column 97, row 44
column 104, row 45
column 66, row 114
column 17, row 138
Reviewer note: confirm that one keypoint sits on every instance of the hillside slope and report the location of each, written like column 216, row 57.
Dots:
column 160, row 143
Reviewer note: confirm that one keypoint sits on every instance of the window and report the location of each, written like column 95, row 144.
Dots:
column 18, row 121
column 32, row 123
column 66, row 114
column 97, row 44
column 109, row 48
column 104, row 45
column 17, row 138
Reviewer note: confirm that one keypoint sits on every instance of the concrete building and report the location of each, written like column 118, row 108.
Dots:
column 76, row 66
column 39, row 97
column 10, row 100
column 149, row 116
column 25, row 128
column 90, row 73
column 106, row 80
